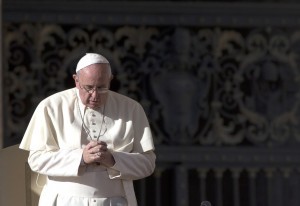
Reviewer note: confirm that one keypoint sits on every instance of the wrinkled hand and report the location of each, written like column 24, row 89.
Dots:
column 97, row 152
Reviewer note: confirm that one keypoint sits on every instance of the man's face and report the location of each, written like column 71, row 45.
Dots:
column 93, row 83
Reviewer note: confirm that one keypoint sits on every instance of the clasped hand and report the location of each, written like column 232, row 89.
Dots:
column 97, row 152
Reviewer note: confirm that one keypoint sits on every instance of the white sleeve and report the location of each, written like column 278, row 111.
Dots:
column 132, row 166
column 63, row 162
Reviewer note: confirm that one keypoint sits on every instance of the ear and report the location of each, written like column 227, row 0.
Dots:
column 75, row 78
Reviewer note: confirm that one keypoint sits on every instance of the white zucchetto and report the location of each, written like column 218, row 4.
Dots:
column 90, row 58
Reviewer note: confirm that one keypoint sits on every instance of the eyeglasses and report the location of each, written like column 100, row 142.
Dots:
column 91, row 89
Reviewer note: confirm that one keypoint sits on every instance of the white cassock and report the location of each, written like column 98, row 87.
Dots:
column 55, row 138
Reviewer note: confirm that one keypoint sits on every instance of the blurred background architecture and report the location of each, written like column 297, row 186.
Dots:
column 219, row 81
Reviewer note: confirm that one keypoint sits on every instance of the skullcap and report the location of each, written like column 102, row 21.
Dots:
column 90, row 58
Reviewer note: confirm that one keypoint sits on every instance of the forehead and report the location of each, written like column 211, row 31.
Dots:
column 95, row 72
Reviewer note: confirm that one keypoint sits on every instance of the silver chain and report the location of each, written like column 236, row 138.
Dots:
column 86, row 128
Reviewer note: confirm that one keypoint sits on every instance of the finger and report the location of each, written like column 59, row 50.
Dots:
column 100, row 148
column 99, row 156
column 94, row 157
column 97, row 150
column 102, row 143
column 91, row 144
column 93, row 151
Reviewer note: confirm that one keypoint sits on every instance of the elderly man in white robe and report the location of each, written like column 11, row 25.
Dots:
column 89, row 141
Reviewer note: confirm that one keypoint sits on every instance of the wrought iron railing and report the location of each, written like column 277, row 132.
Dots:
column 225, row 177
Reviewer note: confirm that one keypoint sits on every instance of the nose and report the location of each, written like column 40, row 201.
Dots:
column 94, row 94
